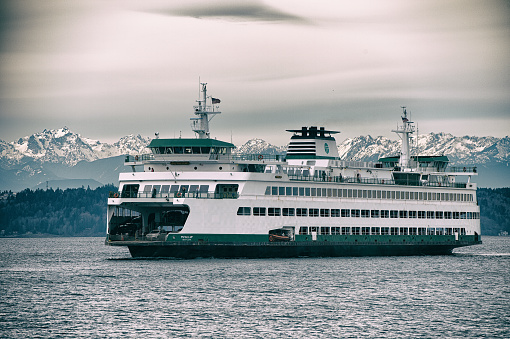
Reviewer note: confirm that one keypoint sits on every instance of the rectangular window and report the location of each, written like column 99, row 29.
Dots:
column 273, row 211
column 356, row 230
column 165, row 189
column 413, row 231
column 431, row 231
column 447, row 215
column 313, row 212
column 295, row 191
column 375, row 231
column 403, row 231
column 244, row 211
column 324, row 192
column 324, row 212
column 355, row 213
column 313, row 191
column 268, row 190
column 288, row 190
column 274, row 190
column 259, row 211
column 469, row 215
column 385, row 214
column 456, row 215
column 393, row 214
column 314, row 229
column 335, row 230
column 430, row 214
column 394, row 230
column 440, row 231
column 412, row 214
column 385, row 230
column 365, row 230
column 346, row 230
column 288, row 212
column 301, row 212
column 307, row 191
column 281, row 190
column 345, row 213
column 463, row 215
column 402, row 214
column 365, row 213
column 301, row 191
column 204, row 189
column 335, row 212
column 374, row 213
column 193, row 188
column 130, row 191
column 303, row 230
column 324, row 230
column 147, row 189
column 349, row 193
column 421, row 231
column 329, row 192
column 439, row 214
column 383, row 194
column 407, row 195
column 421, row 214
column 174, row 188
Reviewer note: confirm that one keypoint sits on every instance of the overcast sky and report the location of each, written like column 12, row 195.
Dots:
column 106, row 69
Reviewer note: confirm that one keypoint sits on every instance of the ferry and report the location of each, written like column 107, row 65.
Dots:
column 195, row 197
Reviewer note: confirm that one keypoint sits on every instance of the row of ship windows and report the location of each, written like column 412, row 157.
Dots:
column 304, row 230
column 355, row 213
column 367, row 194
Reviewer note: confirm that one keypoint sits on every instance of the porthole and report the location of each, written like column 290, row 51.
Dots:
column 167, row 168
column 195, row 168
column 221, row 168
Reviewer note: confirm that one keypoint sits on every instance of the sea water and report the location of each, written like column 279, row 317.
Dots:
column 80, row 288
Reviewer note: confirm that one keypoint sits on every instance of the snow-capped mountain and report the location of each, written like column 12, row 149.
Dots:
column 259, row 146
column 61, row 154
column 460, row 150
column 65, row 147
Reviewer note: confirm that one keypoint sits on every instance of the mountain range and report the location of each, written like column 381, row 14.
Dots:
column 61, row 158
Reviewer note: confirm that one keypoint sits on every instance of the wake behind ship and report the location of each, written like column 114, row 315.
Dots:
column 193, row 198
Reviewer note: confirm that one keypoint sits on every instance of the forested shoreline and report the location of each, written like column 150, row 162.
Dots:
column 82, row 211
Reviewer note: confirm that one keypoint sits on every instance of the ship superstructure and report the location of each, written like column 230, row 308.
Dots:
column 195, row 198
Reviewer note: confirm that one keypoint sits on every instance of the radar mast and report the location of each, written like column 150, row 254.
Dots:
column 204, row 113
column 404, row 131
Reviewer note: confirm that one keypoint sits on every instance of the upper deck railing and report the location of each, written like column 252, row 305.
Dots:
column 374, row 181
column 462, row 169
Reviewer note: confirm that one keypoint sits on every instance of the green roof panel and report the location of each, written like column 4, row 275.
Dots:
column 189, row 142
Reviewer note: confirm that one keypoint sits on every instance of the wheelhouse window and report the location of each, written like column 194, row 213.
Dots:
column 130, row 191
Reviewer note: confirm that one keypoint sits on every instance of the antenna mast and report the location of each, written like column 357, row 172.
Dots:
column 200, row 124
column 404, row 131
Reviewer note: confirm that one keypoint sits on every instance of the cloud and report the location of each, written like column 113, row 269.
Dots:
column 233, row 11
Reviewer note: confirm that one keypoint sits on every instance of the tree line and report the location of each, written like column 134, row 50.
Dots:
column 82, row 211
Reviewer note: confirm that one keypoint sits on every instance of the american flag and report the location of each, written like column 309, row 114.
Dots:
column 215, row 101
